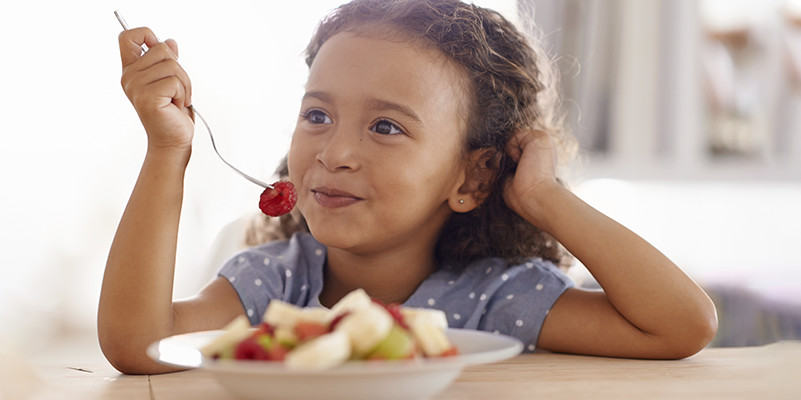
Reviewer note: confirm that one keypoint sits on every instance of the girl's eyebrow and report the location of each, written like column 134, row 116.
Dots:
column 373, row 104
column 383, row 105
column 322, row 96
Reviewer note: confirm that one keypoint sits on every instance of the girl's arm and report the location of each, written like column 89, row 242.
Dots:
column 648, row 308
column 136, row 306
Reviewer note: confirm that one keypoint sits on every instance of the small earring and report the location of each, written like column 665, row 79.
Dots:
column 461, row 201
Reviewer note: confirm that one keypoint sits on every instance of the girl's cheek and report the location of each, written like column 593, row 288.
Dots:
column 297, row 158
column 290, row 164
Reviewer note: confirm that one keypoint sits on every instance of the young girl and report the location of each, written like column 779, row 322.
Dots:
column 424, row 158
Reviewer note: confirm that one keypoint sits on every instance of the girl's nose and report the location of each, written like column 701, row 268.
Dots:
column 340, row 150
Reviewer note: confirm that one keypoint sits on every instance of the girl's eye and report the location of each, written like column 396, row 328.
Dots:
column 316, row 117
column 385, row 127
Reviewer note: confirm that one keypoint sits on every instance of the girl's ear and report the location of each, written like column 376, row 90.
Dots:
column 474, row 187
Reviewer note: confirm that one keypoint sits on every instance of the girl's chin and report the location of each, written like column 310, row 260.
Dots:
column 332, row 234
column 333, row 241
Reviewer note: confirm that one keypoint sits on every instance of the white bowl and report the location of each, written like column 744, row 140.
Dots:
column 354, row 380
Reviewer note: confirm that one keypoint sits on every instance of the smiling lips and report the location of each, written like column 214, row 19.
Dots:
column 333, row 198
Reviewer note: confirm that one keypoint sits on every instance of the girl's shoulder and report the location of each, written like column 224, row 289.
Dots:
column 499, row 270
column 293, row 261
column 487, row 280
column 290, row 270
column 495, row 295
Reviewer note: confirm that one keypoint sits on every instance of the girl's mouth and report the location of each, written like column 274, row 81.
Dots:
column 333, row 198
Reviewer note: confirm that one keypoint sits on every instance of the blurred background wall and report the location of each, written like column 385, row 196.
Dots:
column 687, row 111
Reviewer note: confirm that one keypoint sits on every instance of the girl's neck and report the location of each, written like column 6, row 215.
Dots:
column 390, row 277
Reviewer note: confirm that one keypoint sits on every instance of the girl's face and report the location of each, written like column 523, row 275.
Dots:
column 377, row 153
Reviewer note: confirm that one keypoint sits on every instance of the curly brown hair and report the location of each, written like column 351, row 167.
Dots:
column 512, row 86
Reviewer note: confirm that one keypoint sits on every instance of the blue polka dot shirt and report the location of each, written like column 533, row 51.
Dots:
column 489, row 295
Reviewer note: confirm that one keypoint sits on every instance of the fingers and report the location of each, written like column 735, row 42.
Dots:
column 159, row 63
column 131, row 42
column 541, row 140
column 173, row 45
column 517, row 143
column 134, row 80
column 164, row 79
column 164, row 92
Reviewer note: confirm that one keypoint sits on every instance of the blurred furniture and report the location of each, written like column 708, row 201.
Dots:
column 747, row 318
column 678, row 89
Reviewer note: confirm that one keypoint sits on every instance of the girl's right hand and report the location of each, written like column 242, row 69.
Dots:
column 158, row 88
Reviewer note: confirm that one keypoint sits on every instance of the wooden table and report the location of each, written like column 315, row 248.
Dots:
column 768, row 372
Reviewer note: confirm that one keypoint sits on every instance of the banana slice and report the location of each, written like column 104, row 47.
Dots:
column 324, row 352
column 428, row 327
column 353, row 301
column 280, row 313
column 235, row 332
column 366, row 327
column 429, row 315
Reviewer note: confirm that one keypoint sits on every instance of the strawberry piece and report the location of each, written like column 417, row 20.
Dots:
column 394, row 310
column 266, row 328
column 309, row 330
column 337, row 320
column 278, row 352
column 279, row 200
column 251, row 349
column 452, row 352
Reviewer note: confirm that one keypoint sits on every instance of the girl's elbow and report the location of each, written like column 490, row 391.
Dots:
column 694, row 336
column 122, row 359
column 127, row 366
column 706, row 326
column 127, row 357
column 705, row 331
column 134, row 362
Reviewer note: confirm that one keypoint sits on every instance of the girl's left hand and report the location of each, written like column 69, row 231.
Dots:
column 535, row 154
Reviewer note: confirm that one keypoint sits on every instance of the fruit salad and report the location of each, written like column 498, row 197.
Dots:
column 356, row 328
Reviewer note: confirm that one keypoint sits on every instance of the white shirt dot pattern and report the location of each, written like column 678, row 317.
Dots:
column 257, row 282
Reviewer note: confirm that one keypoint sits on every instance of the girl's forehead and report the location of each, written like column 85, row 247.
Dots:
column 381, row 59
column 391, row 39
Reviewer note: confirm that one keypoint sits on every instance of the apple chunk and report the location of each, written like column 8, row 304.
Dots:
column 399, row 344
